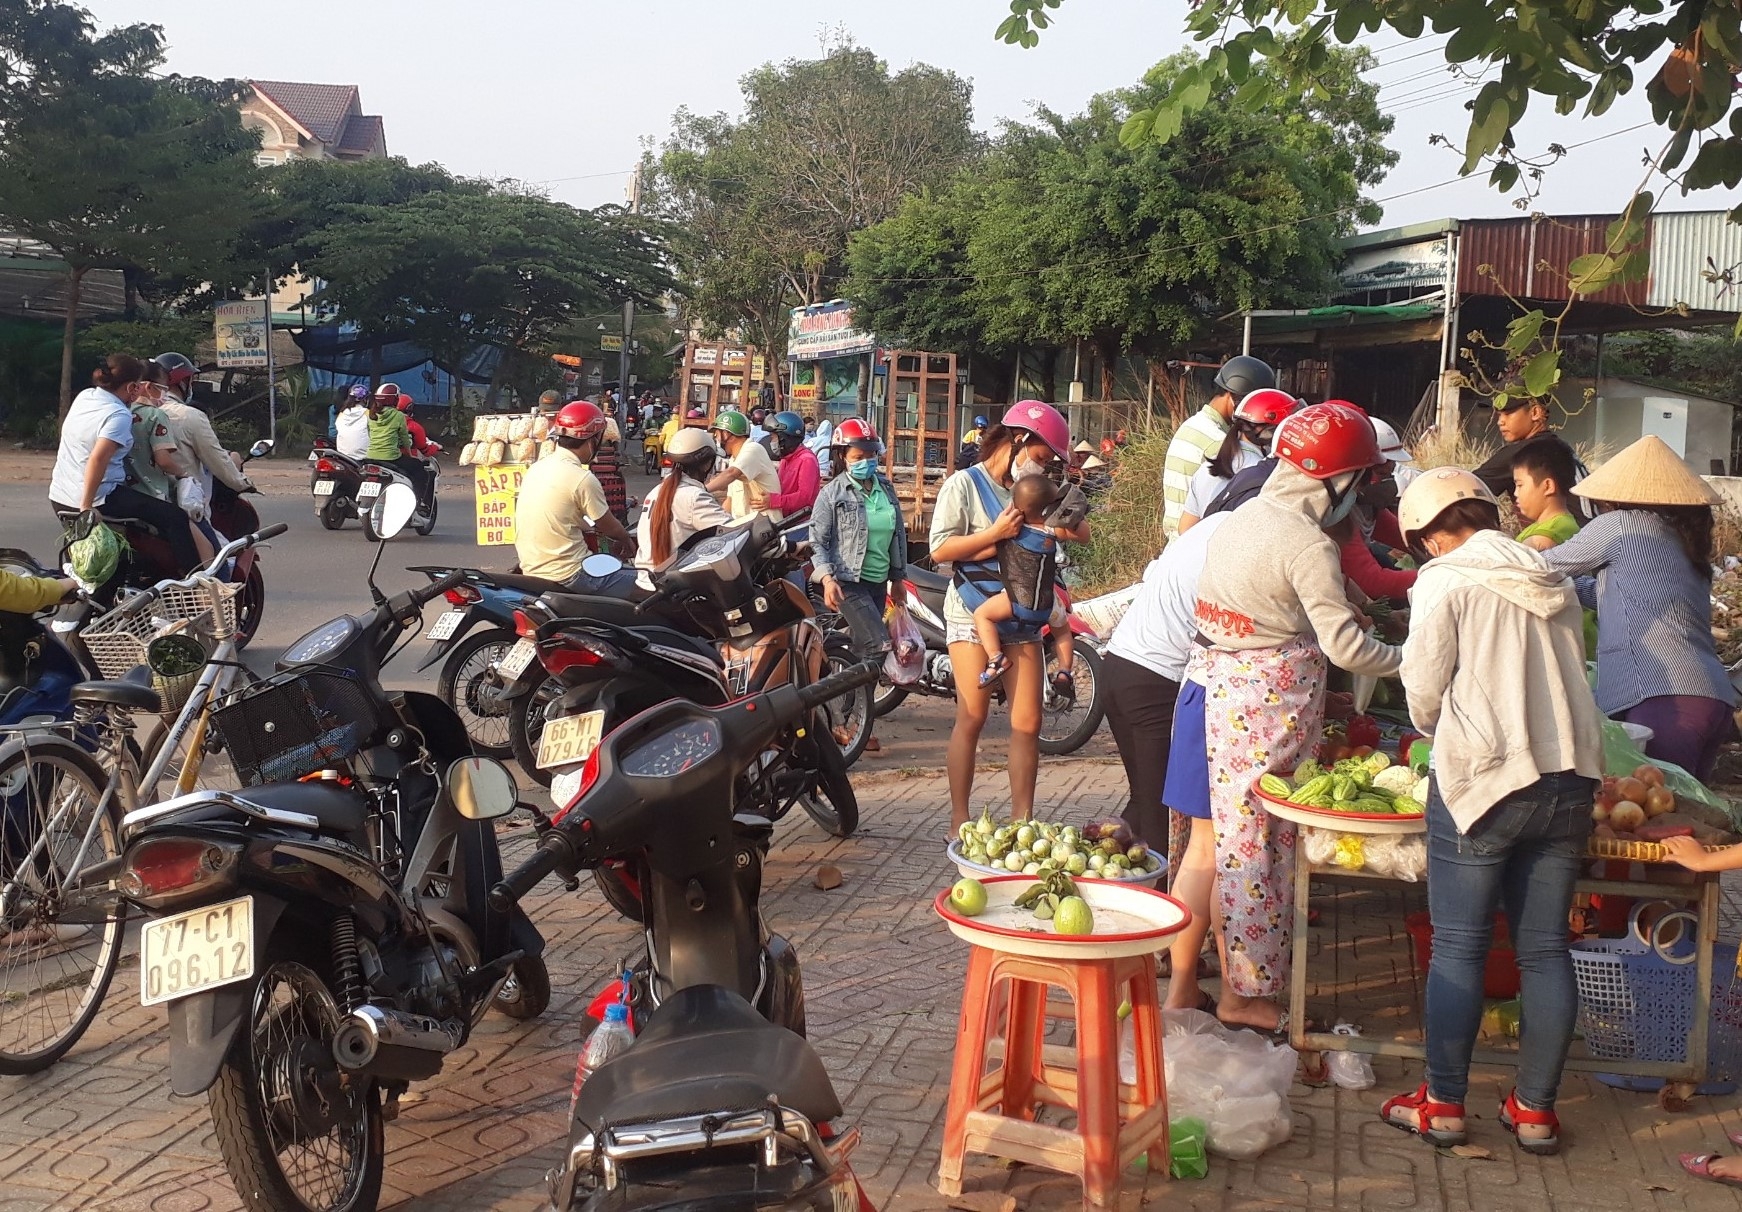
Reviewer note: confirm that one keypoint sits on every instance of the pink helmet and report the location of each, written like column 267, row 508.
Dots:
column 1041, row 420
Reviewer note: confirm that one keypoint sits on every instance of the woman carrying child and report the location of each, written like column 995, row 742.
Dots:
column 1516, row 762
column 971, row 516
column 1028, row 572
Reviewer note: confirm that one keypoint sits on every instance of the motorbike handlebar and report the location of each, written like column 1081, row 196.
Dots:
column 836, row 684
column 554, row 851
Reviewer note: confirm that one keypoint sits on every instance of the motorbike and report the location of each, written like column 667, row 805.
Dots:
column 377, row 476
column 720, row 1100
column 1067, row 721
column 37, row 670
column 149, row 560
column 474, row 634
column 334, row 482
column 321, row 937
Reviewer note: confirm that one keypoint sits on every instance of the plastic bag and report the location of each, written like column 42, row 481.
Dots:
column 906, row 659
column 190, row 494
column 1235, row 1081
column 1350, row 1070
column 1622, row 757
column 1185, row 1148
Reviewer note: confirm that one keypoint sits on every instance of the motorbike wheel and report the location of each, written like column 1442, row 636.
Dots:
column 526, row 992
column 829, row 800
column 367, row 517
column 293, row 1135
column 465, row 686
column 1067, row 724
column 250, row 606
column 428, row 524
column 849, row 715
column 886, row 696
column 335, row 511
column 54, row 970
column 526, row 726
column 617, row 894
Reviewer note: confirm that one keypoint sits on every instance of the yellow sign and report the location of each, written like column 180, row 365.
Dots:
column 494, row 492
column 611, row 343
column 804, row 391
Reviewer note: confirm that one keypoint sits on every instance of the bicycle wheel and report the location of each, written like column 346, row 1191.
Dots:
column 56, row 962
column 211, row 768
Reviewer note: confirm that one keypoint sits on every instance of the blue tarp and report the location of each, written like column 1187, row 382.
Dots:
column 337, row 355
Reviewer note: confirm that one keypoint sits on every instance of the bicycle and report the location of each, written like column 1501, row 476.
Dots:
column 64, row 788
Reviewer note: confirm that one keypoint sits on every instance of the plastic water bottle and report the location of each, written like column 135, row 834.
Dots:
column 610, row 1038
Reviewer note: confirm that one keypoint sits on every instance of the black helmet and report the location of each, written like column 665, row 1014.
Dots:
column 1244, row 373
column 179, row 368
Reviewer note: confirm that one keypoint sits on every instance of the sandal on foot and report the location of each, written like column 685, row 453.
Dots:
column 1064, row 685
column 1398, row 1111
column 1513, row 1113
column 1700, row 1166
column 995, row 669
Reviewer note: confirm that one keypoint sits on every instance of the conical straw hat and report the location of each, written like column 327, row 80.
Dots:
column 1646, row 473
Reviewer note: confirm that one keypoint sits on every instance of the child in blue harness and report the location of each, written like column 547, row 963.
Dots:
column 1023, row 594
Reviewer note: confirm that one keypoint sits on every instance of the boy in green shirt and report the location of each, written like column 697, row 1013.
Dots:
column 390, row 440
column 1542, row 481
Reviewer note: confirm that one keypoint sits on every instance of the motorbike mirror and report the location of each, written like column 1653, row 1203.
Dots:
column 393, row 510
column 260, row 449
column 601, row 565
column 482, row 789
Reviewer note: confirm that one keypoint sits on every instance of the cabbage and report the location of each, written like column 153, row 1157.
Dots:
column 1419, row 795
column 94, row 558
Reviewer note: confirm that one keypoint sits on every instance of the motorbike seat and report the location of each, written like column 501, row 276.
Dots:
column 706, row 1049
column 525, row 584
column 589, row 607
column 132, row 693
column 926, row 580
column 340, row 810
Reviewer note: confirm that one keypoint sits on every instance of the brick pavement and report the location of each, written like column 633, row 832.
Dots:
column 100, row 1131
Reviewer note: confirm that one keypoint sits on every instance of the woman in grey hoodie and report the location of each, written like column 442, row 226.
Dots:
column 1494, row 668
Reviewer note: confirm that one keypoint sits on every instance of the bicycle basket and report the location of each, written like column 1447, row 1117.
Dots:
column 117, row 643
column 297, row 723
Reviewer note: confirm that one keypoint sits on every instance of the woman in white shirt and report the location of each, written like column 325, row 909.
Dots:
column 681, row 505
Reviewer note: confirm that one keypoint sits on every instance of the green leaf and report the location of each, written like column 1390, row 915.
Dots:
column 1255, row 94
column 1504, row 176
column 1590, row 273
column 1239, row 59
column 1501, row 400
column 1542, row 372
column 1263, row 40
column 1521, row 334
column 1469, row 41
column 1488, row 126
column 1629, row 228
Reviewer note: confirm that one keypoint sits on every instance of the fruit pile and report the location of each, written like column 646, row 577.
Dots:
column 1639, row 808
column 1104, row 849
column 1369, row 784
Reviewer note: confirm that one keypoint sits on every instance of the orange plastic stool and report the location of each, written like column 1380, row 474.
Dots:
column 992, row 1110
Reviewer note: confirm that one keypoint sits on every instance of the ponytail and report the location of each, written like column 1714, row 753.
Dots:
column 1222, row 465
column 659, row 516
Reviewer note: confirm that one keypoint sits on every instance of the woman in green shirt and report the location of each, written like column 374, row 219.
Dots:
column 859, row 539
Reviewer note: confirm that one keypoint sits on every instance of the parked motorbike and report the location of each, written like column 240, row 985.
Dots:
column 474, row 634
column 149, row 560
column 321, row 937
column 1067, row 721
column 719, row 1100
column 377, row 476
column 334, row 482
column 37, row 670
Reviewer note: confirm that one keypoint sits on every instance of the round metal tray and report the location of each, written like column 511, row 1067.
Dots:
column 980, row 871
column 1128, row 921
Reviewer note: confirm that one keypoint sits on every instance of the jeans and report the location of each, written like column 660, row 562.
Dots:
column 1140, row 705
column 862, row 608
column 1524, row 856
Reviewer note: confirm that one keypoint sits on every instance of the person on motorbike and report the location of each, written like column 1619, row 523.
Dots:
column 390, row 440
column 749, row 480
column 560, row 500
column 758, row 429
column 198, row 441
column 800, row 476
column 608, row 467
column 90, row 466
column 20, row 594
column 548, row 402
column 350, row 433
column 819, row 436
column 860, row 540
column 681, row 505
column 419, row 437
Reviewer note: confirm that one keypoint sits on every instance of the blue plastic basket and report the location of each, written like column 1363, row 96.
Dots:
column 1636, row 1001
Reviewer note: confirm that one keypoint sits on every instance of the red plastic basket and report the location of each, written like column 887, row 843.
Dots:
column 1499, row 977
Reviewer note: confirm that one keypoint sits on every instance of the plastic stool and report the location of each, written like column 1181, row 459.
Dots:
column 1115, row 1122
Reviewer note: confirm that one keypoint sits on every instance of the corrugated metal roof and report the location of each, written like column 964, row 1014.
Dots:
column 1684, row 248
column 1529, row 257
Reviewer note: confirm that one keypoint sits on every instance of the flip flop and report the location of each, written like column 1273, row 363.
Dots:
column 1425, row 1109
column 1700, row 1166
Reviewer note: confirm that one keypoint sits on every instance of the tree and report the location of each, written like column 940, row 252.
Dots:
column 1065, row 233
column 766, row 203
column 47, row 47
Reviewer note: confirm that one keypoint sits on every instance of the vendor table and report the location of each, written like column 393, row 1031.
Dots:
column 1701, row 894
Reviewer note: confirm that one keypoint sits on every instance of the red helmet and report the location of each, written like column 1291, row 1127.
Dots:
column 1041, row 420
column 388, row 391
column 1266, row 406
column 858, row 433
column 1325, row 440
column 405, row 402
column 578, row 419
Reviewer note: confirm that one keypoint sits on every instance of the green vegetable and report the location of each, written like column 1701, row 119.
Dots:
column 1306, row 772
column 1272, row 785
column 1317, row 786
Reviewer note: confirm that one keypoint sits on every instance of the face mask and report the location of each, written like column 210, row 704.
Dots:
column 1022, row 465
column 863, row 471
column 1342, row 508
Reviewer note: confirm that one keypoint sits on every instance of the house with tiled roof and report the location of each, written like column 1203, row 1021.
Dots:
column 311, row 122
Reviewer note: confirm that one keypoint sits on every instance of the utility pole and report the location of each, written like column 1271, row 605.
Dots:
column 623, row 355
column 271, row 369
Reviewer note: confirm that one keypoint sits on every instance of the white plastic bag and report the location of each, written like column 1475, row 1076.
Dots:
column 190, row 494
column 1350, row 1070
column 1235, row 1081
column 906, row 659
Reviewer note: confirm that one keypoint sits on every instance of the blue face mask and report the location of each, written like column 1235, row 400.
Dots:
column 863, row 470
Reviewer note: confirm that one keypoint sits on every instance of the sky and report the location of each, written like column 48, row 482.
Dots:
column 564, row 94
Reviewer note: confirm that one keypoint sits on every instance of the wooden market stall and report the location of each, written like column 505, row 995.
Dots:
column 719, row 374
column 917, row 419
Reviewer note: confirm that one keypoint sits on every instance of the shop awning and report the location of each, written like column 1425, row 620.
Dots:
column 1271, row 323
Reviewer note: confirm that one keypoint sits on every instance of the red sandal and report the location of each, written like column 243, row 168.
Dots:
column 1514, row 1113
column 1700, row 1166
column 1425, row 1110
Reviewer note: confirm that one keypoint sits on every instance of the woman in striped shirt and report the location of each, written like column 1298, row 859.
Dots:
column 1649, row 550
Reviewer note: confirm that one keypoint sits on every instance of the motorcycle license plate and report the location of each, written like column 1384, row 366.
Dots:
column 195, row 951
column 369, row 488
column 446, row 625
column 324, row 488
column 518, row 658
column 570, row 740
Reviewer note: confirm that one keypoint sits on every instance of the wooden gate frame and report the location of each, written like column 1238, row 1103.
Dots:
column 916, row 492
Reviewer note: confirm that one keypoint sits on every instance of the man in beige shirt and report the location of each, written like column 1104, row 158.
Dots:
column 750, row 476
column 561, row 499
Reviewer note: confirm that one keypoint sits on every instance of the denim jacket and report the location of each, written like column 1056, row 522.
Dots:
column 838, row 530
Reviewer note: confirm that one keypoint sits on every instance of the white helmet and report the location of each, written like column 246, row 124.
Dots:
column 1433, row 492
column 690, row 440
column 1390, row 443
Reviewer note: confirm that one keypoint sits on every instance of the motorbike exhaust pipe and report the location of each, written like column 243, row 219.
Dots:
column 393, row 1044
